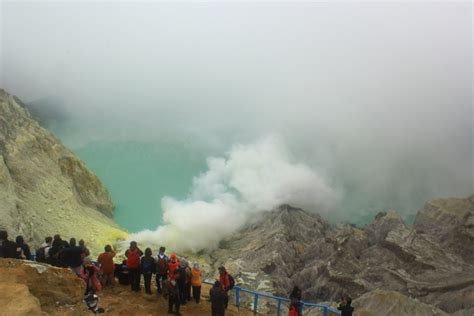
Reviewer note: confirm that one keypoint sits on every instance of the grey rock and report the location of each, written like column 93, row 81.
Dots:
column 451, row 223
column 289, row 246
column 391, row 303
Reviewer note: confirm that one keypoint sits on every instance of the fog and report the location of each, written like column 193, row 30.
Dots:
column 373, row 101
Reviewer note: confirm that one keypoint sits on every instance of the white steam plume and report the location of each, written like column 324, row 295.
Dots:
column 252, row 178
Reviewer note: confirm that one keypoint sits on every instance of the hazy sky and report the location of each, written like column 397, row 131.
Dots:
column 376, row 97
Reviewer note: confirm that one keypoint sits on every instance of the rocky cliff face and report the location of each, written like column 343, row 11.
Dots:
column 431, row 262
column 44, row 188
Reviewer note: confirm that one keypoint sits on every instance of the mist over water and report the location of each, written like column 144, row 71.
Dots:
column 195, row 112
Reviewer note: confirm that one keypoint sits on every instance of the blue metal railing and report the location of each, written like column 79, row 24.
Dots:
column 279, row 300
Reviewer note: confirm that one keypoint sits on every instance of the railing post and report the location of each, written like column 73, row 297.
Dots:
column 237, row 296
column 278, row 307
column 325, row 311
column 255, row 303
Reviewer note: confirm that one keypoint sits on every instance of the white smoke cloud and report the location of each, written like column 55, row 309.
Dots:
column 251, row 179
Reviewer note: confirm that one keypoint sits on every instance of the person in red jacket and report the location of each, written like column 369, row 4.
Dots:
column 293, row 311
column 133, row 255
column 224, row 281
column 107, row 266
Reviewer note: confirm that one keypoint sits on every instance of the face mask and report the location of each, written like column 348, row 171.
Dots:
column 173, row 282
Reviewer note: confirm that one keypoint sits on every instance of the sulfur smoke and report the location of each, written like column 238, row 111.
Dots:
column 250, row 179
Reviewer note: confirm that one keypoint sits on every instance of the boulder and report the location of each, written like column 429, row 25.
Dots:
column 451, row 223
column 37, row 289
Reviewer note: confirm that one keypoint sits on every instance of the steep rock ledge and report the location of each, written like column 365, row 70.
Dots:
column 44, row 188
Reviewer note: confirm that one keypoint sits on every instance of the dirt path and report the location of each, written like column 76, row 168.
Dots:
column 122, row 301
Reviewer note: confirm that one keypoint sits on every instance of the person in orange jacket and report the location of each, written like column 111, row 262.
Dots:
column 173, row 264
column 196, row 282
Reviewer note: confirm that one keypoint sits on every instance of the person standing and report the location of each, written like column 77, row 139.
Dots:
column 82, row 244
column 224, row 280
column 147, row 268
column 107, row 266
column 196, row 282
column 218, row 299
column 173, row 264
column 183, row 280
column 55, row 251
column 162, row 261
column 174, row 298
column 133, row 255
column 345, row 306
column 295, row 301
column 73, row 257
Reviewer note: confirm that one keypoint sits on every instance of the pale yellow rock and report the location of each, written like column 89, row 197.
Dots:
column 45, row 189
column 16, row 300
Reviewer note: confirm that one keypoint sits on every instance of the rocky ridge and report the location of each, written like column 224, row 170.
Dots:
column 430, row 262
column 44, row 188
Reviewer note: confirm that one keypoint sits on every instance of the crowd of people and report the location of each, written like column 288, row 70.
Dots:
column 176, row 279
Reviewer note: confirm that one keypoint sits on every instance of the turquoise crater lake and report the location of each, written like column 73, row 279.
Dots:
column 139, row 174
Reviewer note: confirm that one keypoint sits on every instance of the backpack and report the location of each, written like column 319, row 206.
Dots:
column 231, row 282
column 147, row 266
column 162, row 265
column 133, row 259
